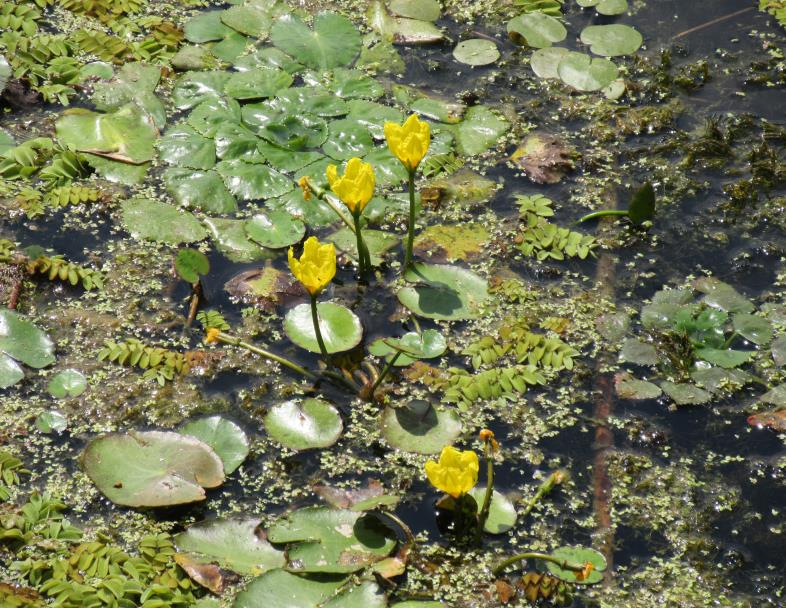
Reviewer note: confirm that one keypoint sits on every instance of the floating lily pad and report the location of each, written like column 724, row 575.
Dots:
column 275, row 229
column 479, row 131
column 295, row 132
column 502, row 512
column 723, row 296
column 303, row 426
column 193, row 88
column 378, row 243
column 248, row 19
column 280, row 589
column 579, row 556
column 756, row 329
column 716, row 378
column 347, row 139
column 638, row 352
column 354, row 84
column 341, row 329
column 612, row 40
column 212, row 113
column 447, row 243
column 230, row 48
column 68, row 383
column 419, row 427
column 152, row 469
column 585, row 73
column 313, row 212
column 289, row 160
column 252, row 181
column 148, row 219
column 235, row 544
column 190, row 264
column 424, row 10
column 205, row 27
column 445, row 292
column 333, row 42
column 236, row 142
column 51, row 422
column 724, row 357
column 332, row 540
column 225, row 437
column 311, row 100
column 184, row 147
column 267, row 56
column 632, row 388
column 232, row 240
column 257, row 83
column 536, row 29
column 21, row 341
column 685, row 394
column 413, row 346
column 203, row 190
column 134, row 82
column 544, row 62
column 606, row 7
column 476, row 51
column 364, row 498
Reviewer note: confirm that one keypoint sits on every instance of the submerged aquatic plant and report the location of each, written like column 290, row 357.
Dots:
column 409, row 142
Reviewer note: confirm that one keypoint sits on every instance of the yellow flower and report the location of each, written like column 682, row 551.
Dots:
column 305, row 185
column 316, row 267
column 456, row 473
column 408, row 142
column 356, row 187
column 212, row 335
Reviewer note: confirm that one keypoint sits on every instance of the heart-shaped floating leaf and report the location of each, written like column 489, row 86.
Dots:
column 756, row 329
column 280, row 589
column 236, row 544
column 22, row 341
column 302, row 426
column 68, row 383
column 225, row 437
column 606, row 7
column 479, row 131
column 365, row 498
column 205, row 27
column 252, row 181
column 412, row 346
column 419, row 427
column 209, row 115
column 684, row 393
column 578, row 556
column 313, row 212
column 203, row 190
column 536, row 29
column 294, row 131
column 190, row 264
column 192, row 88
column 152, row 469
column 248, row 19
column 333, row 42
column 584, row 73
column 185, row 147
column 423, row 10
column 544, row 62
column 723, row 296
column 257, row 83
column 612, row 40
column 502, row 513
column 232, row 241
column 51, row 422
column 631, row 388
column 476, row 51
column 445, row 292
column 275, row 229
column 378, row 243
column 347, row 139
column 341, row 329
column 354, row 84
column 148, row 219
column 332, row 540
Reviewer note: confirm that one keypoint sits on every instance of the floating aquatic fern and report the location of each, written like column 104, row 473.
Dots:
column 776, row 8
column 465, row 388
column 544, row 240
column 56, row 267
column 10, row 470
column 159, row 364
column 212, row 319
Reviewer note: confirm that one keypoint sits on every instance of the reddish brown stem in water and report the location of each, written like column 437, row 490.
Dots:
column 16, row 290
column 712, row 22
column 196, row 292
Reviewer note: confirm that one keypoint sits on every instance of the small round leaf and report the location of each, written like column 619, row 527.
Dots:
column 476, row 51
column 302, row 426
column 341, row 329
column 275, row 229
column 68, row 383
column 419, row 427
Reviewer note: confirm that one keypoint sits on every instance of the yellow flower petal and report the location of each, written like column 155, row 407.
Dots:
column 316, row 267
column 408, row 142
column 356, row 187
column 456, row 473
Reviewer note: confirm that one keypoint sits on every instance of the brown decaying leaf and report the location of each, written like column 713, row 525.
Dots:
column 505, row 591
column 208, row 575
column 346, row 499
column 266, row 287
column 774, row 419
column 544, row 158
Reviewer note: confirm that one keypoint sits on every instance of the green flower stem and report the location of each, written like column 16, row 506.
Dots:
column 404, row 528
column 603, row 213
column 484, row 510
column 556, row 478
column 411, row 226
column 562, row 563
column 730, row 341
column 364, row 263
column 385, row 372
column 234, row 341
column 317, row 331
column 325, row 197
